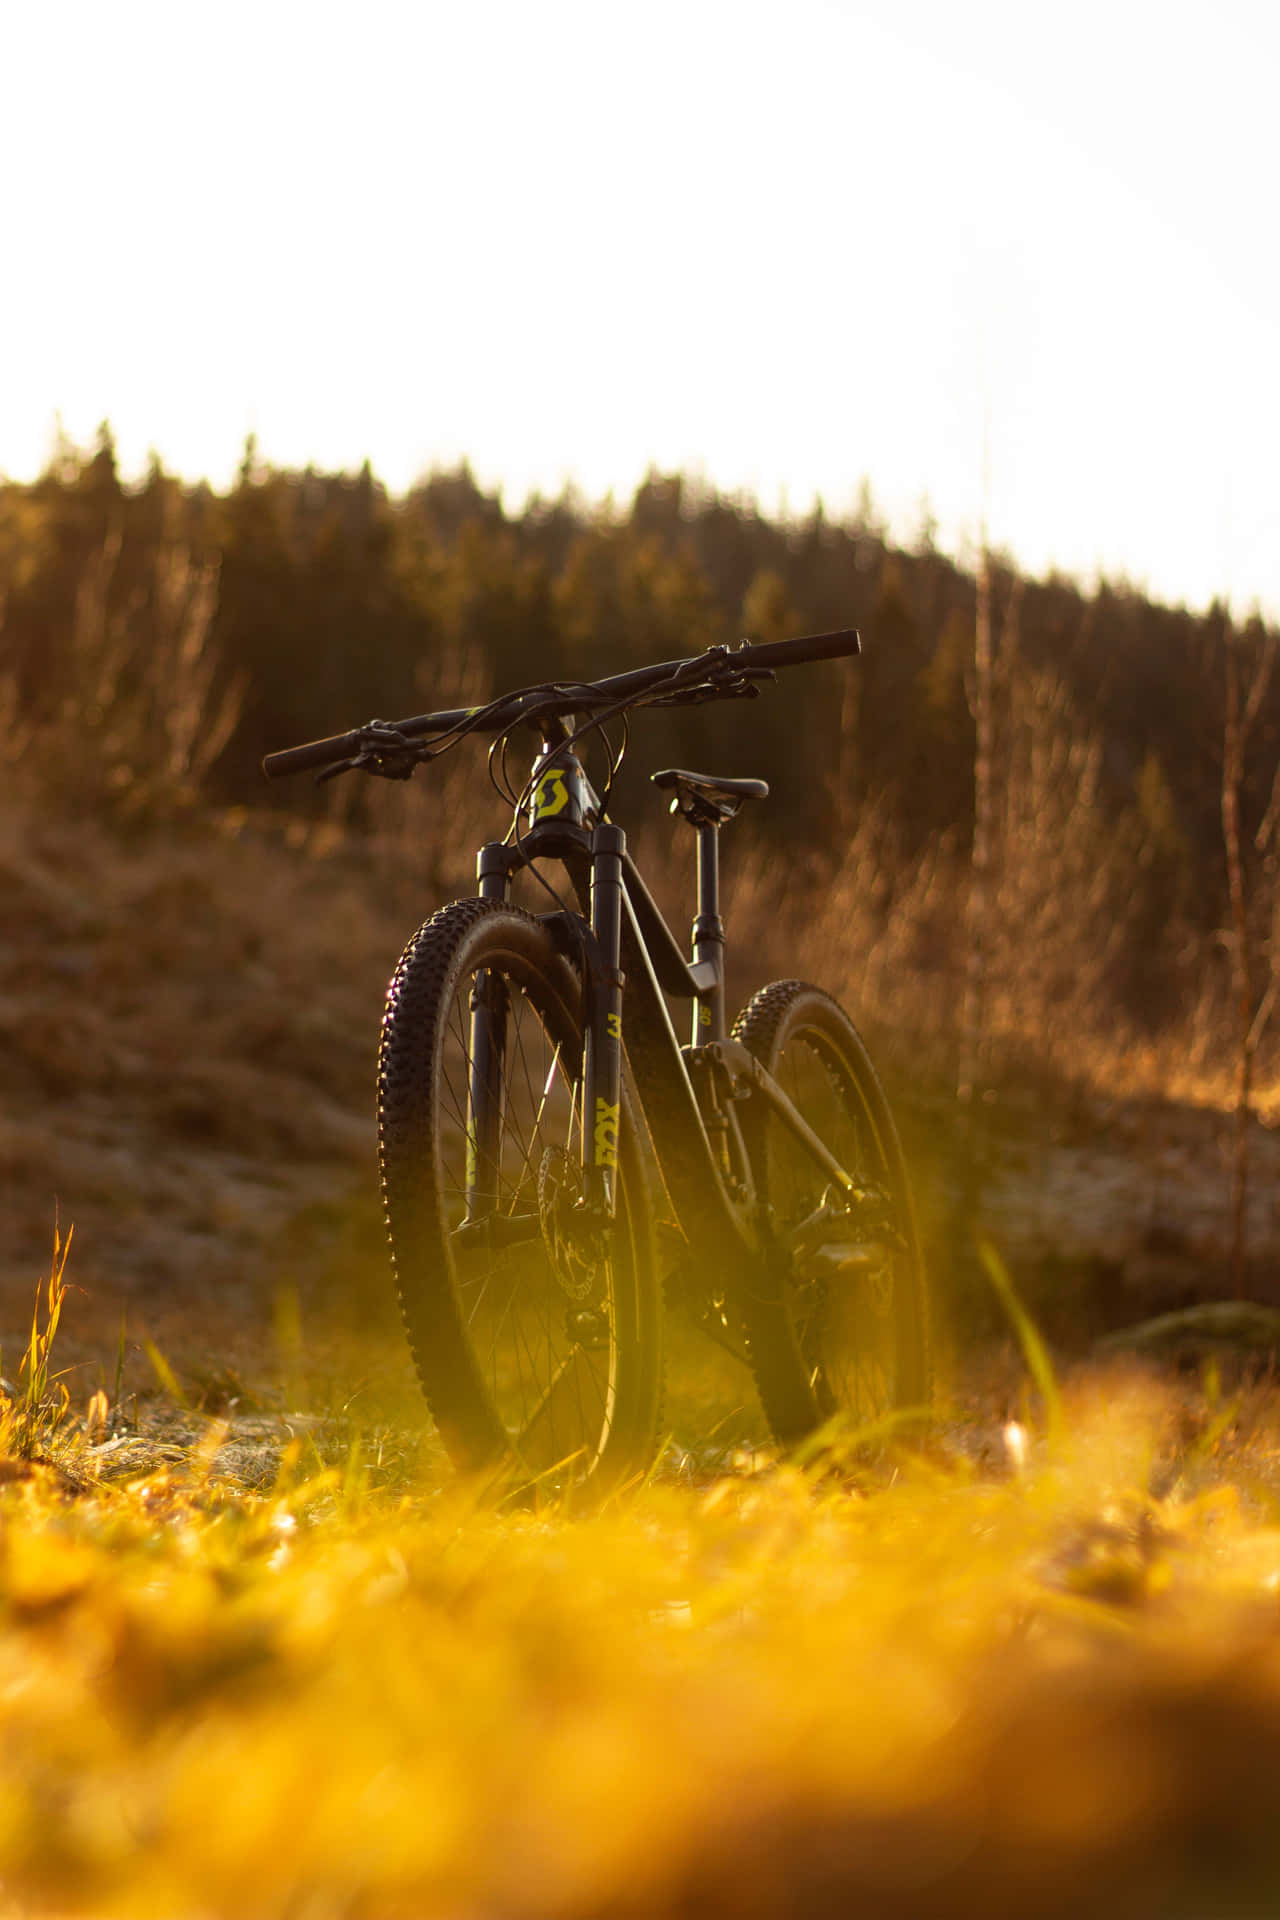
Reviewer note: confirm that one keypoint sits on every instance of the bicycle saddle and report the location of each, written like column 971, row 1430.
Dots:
column 707, row 798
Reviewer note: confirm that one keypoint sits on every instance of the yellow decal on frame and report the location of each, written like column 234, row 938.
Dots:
column 550, row 796
column 606, row 1134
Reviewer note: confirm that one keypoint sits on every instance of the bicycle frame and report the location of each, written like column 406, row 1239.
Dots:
column 619, row 939
column 780, row 1256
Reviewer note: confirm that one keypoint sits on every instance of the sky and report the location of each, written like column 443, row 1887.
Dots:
column 1010, row 264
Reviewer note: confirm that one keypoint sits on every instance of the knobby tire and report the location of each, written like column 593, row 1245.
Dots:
column 853, row 1346
column 516, row 1385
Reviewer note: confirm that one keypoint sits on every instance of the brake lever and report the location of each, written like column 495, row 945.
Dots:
column 384, row 751
column 339, row 766
column 730, row 684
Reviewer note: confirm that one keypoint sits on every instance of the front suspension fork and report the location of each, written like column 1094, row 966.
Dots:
column 486, row 1084
column 602, row 1065
column 486, row 1076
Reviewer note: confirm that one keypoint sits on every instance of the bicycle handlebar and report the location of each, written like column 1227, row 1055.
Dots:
column 504, row 712
column 340, row 746
column 841, row 645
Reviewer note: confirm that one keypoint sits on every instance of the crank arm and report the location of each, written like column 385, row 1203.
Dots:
column 867, row 1213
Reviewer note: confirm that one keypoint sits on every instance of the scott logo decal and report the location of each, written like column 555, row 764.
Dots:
column 550, row 796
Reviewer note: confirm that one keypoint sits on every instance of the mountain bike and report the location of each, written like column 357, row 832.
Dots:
column 555, row 1162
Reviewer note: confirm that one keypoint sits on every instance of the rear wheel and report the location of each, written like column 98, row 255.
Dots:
column 536, row 1334
column 842, row 1328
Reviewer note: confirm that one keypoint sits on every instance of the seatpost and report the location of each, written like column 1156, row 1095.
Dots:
column 708, row 935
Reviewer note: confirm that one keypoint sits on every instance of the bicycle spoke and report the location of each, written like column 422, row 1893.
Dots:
column 558, row 1427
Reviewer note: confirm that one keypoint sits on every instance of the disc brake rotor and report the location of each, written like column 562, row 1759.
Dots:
column 575, row 1264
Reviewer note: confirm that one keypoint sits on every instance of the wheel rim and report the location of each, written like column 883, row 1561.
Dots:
column 546, row 1355
column 844, row 1294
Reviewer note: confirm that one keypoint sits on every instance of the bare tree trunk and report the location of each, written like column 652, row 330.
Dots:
column 847, row 750
column 1249, row 1022
column 971, row 1133
column 973, row 1016
column 1232, row 764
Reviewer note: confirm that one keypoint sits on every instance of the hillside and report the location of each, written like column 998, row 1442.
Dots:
column 187, row 1031
column 188, row 1027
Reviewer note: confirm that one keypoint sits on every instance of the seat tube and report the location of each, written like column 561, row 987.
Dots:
column 602, row 1072
column 708, row 935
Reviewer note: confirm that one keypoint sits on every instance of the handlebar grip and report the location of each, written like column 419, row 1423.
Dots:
column 792, row 653
column 315, row 753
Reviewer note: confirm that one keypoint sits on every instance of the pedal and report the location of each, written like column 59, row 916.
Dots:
column 845, row 1259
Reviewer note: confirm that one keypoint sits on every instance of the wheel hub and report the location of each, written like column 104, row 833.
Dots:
column 570, row 1240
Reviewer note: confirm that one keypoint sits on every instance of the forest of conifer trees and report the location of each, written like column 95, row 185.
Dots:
column 159, row 637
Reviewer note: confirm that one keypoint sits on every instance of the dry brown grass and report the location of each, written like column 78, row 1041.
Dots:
column 1032, row 1673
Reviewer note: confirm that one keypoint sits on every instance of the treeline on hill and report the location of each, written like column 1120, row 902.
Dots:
column 158, row 638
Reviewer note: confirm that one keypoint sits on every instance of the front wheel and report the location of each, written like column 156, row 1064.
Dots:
column 842, row 1328
column 536, row 1330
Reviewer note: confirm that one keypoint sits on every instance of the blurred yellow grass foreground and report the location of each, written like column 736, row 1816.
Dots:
column 1047, row 1683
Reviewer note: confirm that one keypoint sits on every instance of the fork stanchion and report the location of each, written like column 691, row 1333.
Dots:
column 602, row 1103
